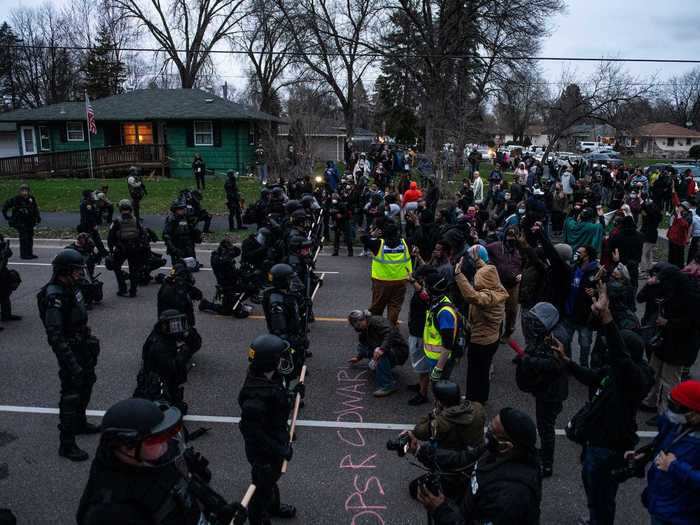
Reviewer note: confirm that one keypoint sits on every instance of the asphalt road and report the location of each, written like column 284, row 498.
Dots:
column 341, row 471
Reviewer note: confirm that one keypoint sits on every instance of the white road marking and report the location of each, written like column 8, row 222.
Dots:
column 311, row 423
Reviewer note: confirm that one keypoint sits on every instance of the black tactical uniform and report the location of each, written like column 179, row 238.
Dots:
column 90, row 220
column 341, row 216
column 179, row 234
column 199, row 170
column 137, row 189
column 172, row 489
column 265, row 408
column 229, row 282
column 125, row 242
column 285, row 314
column 177, row 293
column 63, row 311
column 233, row 202
column 195, row 212
column 165, row 355
column 25, row 215
column 9, row 282
column 89, row 284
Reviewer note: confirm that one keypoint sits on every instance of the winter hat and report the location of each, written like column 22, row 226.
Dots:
column 413, row 185
column 547, row 315
column 519, row 427
column 479, row 252
column 687, row 394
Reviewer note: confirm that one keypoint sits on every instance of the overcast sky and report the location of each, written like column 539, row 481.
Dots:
column 588, row 28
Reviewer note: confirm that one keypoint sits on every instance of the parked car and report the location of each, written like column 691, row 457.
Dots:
column 597, row 160
column 588, row 147
column 680, row 168
column 659, row 167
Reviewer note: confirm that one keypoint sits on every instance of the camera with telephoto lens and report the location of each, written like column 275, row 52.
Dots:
column 399, row 445
column 634, row 467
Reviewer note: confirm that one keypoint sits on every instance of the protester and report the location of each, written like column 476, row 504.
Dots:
column 505, row 256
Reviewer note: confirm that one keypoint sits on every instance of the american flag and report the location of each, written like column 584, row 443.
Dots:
column 92, row 127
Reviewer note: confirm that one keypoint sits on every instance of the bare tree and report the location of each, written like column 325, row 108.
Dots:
column 330, row 38
column 519, row 100
column 195, row 26
column 679, row 101
column 598, row 98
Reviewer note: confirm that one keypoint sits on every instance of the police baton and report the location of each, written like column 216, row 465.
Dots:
column 240, row 516
column 318, row 285
column 297, row 403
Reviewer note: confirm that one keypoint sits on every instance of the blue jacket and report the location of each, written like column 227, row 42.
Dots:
column 331, row 174
column 674, row 496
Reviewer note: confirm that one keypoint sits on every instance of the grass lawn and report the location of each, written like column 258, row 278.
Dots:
column 59, row 195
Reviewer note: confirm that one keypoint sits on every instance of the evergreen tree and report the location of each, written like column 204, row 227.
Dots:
column 104, row 74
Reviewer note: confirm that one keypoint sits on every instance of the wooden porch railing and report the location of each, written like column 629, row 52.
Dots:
column 77, row 163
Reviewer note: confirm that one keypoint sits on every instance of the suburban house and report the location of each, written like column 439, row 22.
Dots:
column 158, row 129
column 325, row 139
column 535, row 133
column 665, row 140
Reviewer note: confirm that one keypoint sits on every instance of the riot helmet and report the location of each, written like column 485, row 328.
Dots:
column 174, row 323
column 125, row 205
column 144, row 431
column 67, row 261
column 262, row 236
column 292, row 206
column 281, row 275
column 300, row 245
column 265, row 352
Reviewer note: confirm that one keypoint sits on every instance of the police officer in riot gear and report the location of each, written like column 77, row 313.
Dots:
column 177, row 292
column 89, row 284
column 9, row 282
column 229, row 285
column 341, row 216
column 265, row 405
column 233, row 201
column 90, row 220
column 24, row 217
column 142, row 473
column 195, row 212
column 137, row 189
column 165, row 356
column 63, row 312
column 285, row 314
column 125, row 241
column 179, row 234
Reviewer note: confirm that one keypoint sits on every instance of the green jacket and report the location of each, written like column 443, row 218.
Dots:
column 456, row 427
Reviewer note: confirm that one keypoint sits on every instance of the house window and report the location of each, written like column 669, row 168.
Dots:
column 74, row 131
column 137, row 133
column 44, row 138
column 203, row 133
column 669, row 141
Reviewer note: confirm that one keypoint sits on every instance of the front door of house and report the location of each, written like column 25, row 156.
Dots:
column 28, row 141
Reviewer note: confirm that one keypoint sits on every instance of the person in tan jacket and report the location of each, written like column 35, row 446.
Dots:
column 487, row 298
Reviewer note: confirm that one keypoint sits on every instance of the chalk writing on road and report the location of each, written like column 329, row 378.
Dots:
column 365, row 503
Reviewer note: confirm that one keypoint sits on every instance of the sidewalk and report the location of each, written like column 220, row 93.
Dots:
column 70, row 220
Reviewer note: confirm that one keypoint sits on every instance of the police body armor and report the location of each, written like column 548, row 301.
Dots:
column 283, row 315
column 129, row 233
column 156, row 382
column 159, row 496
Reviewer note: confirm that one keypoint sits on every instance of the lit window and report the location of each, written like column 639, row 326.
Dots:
column 137, row 133
column 203, row 133
column 44, row 138
column 74, row 131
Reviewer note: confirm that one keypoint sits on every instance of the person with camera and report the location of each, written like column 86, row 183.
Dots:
column 505, row 485
column 382, row 344
column 486, row 298
column 142, row 473
column 606, row 426
column 9, row 282
column 673, row 479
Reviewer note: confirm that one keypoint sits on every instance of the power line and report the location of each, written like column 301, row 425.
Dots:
column 380, row 55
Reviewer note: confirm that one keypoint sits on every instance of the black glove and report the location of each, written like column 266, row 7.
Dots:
column 300, row 389
column 197, row 464
column 286, row 452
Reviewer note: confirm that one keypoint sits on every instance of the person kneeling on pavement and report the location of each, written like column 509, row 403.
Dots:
column 505, row 486
column 382, row 344
column 453, row 424
column 673, row 480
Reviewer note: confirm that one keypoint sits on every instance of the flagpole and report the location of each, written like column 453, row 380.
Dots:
column 92, row 174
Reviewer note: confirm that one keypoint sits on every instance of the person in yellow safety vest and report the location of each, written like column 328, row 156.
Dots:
column 441, row 331
column 391, row 267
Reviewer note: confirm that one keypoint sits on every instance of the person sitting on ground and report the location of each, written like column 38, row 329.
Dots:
column 382, row 344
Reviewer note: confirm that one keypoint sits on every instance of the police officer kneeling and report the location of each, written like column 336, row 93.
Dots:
column 265, row 405
column 143, row 475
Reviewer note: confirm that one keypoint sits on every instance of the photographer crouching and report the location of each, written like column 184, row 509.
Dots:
column 505, row 485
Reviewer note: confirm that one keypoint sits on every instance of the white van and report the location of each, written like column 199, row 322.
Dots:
column 588, row 147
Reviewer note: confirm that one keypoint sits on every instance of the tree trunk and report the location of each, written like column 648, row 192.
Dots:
column 349, row 117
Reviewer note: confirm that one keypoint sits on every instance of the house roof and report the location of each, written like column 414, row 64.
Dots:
column 329, row 128
column 146, row 104
column 666, row 129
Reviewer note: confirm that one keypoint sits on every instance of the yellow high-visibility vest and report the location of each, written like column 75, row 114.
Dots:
column 432, row 340
column 392, row 264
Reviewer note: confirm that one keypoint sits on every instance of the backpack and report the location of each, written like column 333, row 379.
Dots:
column 585, row 422
column 527, row 378
column 462, row 337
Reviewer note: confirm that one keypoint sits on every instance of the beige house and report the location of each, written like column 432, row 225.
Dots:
column 666, row 140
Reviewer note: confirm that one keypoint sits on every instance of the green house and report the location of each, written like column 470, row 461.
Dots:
column 159, row 129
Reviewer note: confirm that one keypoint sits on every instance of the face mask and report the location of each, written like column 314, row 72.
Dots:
column 492, row 443
column 521, row 211
column 676, row 419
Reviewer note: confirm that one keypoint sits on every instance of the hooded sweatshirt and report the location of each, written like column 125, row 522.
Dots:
column 413, row 194
column 487, row 299
column 456, row 427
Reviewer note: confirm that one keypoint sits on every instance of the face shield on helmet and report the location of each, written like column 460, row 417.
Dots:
column 175, row 324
